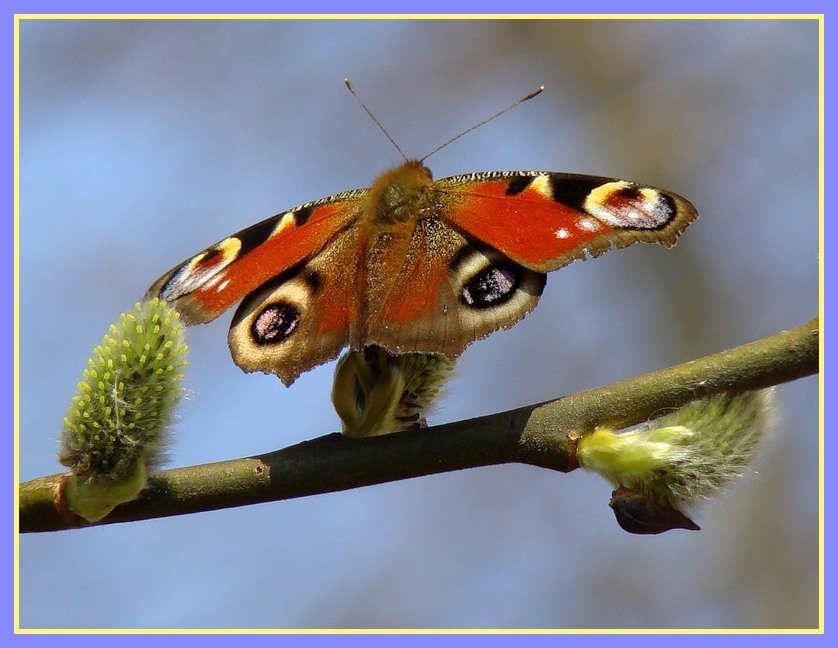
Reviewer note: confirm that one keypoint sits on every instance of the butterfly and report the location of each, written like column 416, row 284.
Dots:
column 410, row 264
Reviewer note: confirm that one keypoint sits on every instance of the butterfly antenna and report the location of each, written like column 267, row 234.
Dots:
column 354, row 92
column 529, row 96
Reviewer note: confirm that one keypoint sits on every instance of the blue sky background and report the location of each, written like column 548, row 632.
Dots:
column 143, row 142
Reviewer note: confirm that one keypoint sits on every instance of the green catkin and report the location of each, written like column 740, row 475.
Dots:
column 115, row 430
column 686, row 456
column 375, row 392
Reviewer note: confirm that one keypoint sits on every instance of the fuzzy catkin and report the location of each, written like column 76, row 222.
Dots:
column 687, row 455
column 126, row 398
column 376, row 392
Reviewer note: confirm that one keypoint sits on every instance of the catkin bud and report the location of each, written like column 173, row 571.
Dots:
column 115, row 430
column 678, row 459
column 376, row 392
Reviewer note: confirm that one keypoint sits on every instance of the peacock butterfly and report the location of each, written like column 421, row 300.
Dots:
column 410, row 264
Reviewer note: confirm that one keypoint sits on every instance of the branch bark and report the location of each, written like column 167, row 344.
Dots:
column 539, row 435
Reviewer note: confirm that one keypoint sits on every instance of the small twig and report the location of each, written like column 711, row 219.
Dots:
column 541, row 435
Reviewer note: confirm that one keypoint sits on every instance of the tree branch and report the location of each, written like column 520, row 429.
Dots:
column 537, row 434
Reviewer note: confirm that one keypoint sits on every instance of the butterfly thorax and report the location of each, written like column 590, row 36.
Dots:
column 398, row 195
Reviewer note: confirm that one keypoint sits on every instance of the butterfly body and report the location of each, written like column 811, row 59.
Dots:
column 410, row 264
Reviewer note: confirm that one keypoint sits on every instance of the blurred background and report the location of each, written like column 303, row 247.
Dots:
column 142, row 142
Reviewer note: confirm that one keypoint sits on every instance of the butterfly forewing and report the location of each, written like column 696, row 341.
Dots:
column 545, row 220
column 206, row 285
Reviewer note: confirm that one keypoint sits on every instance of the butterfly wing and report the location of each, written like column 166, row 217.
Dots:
column 303, row 317
column 476, row 259
column 294, row 274
column 436, row 290
column 207, row 284
column 544, row 221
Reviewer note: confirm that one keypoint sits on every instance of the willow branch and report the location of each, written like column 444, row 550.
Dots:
column 539, row 435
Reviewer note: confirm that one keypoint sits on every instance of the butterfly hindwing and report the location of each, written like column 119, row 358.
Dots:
column 546, row 220
column 301, row 318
